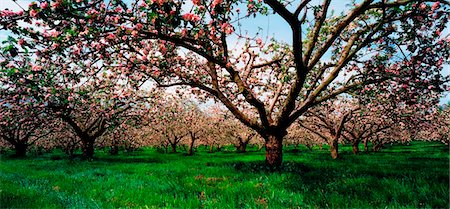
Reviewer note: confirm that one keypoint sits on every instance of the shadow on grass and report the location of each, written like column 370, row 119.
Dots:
column 10, row 200
column 119, row 160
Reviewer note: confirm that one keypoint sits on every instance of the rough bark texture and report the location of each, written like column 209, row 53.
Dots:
column 274, row 150
column 88, row 148
column 21, row 150
column 334, row 149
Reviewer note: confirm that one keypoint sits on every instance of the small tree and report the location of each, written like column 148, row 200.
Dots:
column 22, row 124
column 328, row 121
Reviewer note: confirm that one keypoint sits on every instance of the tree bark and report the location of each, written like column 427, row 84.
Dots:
column 355, row 147
column 191, row 147
column 274, row 150
column 242, row 147
column 377, row 147
column 334, row 149
column 114, row 150
column 366, row 145
column 88, row 148
column 211, row 148
column 174, row 147
column 21, row 150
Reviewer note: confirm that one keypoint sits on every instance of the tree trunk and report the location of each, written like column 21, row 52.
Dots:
column 242, row 147
column 211, row 148
column 21, row 150
column 114, row 150
column 88, row 148
column 377, row 147
column 334, row 149
column 366, row 146
column 191, row 146
column 274, row 150
column 355, row 147
column 174, row 147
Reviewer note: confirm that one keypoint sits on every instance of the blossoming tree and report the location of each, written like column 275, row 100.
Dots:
column 175, row 43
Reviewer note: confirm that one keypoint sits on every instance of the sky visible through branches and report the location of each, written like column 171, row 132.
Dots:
column 271, row 26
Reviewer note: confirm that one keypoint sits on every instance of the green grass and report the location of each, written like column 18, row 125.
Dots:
column 414, row 176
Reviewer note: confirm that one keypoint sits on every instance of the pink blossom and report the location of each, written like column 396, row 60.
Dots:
column 423, row 6
column 36, row 68
column 435, row 5
column 259, row 41
column 227, row 28
column 111, row 36
column 21, row 42
column 139, row 26
column 215, row 3
column 196, row 2
column 54, row 33
column 134, row 33
column 184, row 32
column 191, row 17
column 44, row 5
column 55, row 4
column 33, row 13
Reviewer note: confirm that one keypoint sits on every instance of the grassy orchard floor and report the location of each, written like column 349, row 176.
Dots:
column 414, row 176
